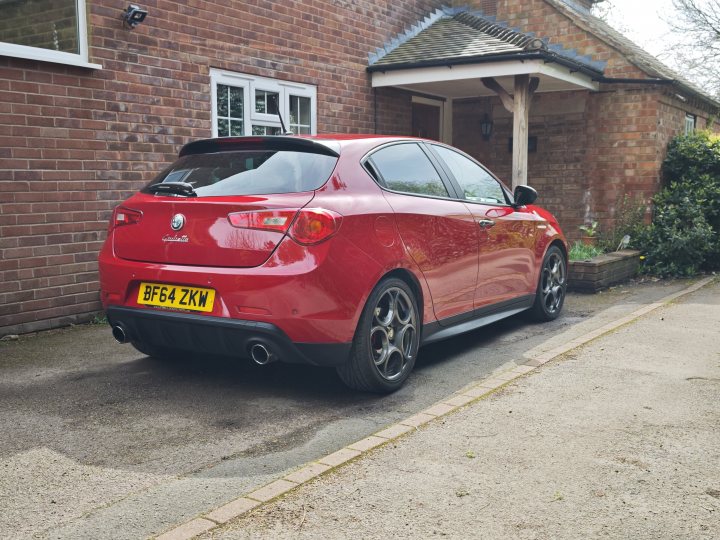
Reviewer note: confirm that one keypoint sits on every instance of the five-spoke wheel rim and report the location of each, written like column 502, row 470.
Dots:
column 553, row 283
column 393, row 334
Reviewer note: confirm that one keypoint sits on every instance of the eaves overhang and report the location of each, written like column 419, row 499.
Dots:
column 545, row 56
column 463, row 79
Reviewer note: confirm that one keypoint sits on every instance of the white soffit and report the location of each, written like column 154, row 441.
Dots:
column 464, row 80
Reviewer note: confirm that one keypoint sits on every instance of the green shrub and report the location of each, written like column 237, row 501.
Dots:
column 679, row 240
column 684, row 237
column 691, row 156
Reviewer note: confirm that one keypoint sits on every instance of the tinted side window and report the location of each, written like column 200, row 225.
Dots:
column 477, row 184
column 406, row 168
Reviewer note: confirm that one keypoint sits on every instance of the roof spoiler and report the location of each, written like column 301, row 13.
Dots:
column 270, row 142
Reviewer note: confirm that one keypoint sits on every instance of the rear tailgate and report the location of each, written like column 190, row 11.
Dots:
column 207, row 237
column 188, row 214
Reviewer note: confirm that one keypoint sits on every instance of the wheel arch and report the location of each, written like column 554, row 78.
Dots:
column 413, row 282
column 560, row 244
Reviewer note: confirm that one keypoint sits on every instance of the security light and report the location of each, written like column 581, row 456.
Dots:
column 134, row 15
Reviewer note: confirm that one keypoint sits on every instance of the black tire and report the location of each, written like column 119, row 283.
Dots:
column 552, row 286
column 386, row 341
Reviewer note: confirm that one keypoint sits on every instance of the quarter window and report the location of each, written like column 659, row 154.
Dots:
column 246, row 105
column 45, row 30
column 476, row 183
column 406, row 168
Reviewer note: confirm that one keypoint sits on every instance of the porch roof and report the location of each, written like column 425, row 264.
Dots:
column 475, row 47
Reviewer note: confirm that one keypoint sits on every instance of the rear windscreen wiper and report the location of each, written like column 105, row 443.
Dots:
column 173, row 188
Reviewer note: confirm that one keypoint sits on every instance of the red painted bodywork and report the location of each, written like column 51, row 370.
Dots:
column 315, row 294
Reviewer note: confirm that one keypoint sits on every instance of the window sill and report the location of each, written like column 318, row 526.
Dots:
column 66, row 59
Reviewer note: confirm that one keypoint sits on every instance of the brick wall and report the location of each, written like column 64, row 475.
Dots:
column 75, row 142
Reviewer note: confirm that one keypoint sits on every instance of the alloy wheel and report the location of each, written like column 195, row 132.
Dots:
column 553, row 283
column 393, row 342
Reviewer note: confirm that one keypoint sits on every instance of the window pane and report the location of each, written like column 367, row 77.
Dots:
column 405, row 167
column 222, row 99
column 300, row 110
column 250, row 172
column 223, row 127
column 301, row 130
column 236, row 102
column 477, row 184
column 265, row 130
column 262, row 101
column 236, row 128
column 229, row 113
column 47, row 24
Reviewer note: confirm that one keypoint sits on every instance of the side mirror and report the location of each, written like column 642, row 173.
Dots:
column 524, row 195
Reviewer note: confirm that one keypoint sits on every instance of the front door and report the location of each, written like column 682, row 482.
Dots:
column 426, row 121
column 506, row 235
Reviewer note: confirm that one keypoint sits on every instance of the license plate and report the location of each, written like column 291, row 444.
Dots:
column 176, row 296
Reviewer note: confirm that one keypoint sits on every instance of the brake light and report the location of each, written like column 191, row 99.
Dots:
column 265, row 220
column 314, row 225
column 307, row 226
column 125, row 216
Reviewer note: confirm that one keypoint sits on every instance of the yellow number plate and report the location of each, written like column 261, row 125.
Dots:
column 176, row 296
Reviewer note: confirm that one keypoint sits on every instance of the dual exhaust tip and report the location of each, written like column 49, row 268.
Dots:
column 261, row 355
column 119, row 333
column 259, row 352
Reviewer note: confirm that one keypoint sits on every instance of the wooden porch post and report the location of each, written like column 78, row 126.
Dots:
column 519, row 105
column 521, row 110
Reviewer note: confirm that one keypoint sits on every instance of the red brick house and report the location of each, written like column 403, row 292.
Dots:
column 91, row 108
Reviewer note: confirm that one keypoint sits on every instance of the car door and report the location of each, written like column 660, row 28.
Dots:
column 506, row 237
column 438, row 231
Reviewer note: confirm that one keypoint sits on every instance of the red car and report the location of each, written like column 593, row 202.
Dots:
column 342, row 251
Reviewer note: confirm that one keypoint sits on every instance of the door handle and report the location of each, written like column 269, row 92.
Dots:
column 485, row 223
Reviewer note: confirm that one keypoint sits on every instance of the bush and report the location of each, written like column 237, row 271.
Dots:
column 684, row 237
column 691, row 156
column 679, row 240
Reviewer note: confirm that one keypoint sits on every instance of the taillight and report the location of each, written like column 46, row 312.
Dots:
column 307, row 226
column 264, row 220
column 314, row 225
column 125, row 216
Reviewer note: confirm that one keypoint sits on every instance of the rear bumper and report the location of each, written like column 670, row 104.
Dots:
column 220, row 336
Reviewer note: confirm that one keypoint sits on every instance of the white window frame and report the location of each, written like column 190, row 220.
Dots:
column 250, row 83
column 79, row 59
column 690, row 123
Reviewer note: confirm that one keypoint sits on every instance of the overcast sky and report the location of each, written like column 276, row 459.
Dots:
column 642, row 21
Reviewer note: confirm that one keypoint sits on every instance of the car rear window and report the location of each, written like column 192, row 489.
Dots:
column 249, row 172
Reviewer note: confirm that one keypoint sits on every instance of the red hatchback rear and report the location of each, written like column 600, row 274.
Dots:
column 348, row 252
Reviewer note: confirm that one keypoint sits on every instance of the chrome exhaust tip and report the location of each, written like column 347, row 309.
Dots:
column 118, row 332
column 260, row 354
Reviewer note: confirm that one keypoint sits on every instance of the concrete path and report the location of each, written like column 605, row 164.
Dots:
column 100, row 442
column 619, row 438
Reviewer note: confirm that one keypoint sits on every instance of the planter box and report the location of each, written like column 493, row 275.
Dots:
column 602, row 271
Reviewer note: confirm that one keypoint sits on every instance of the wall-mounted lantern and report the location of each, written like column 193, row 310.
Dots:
column 486, row 127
